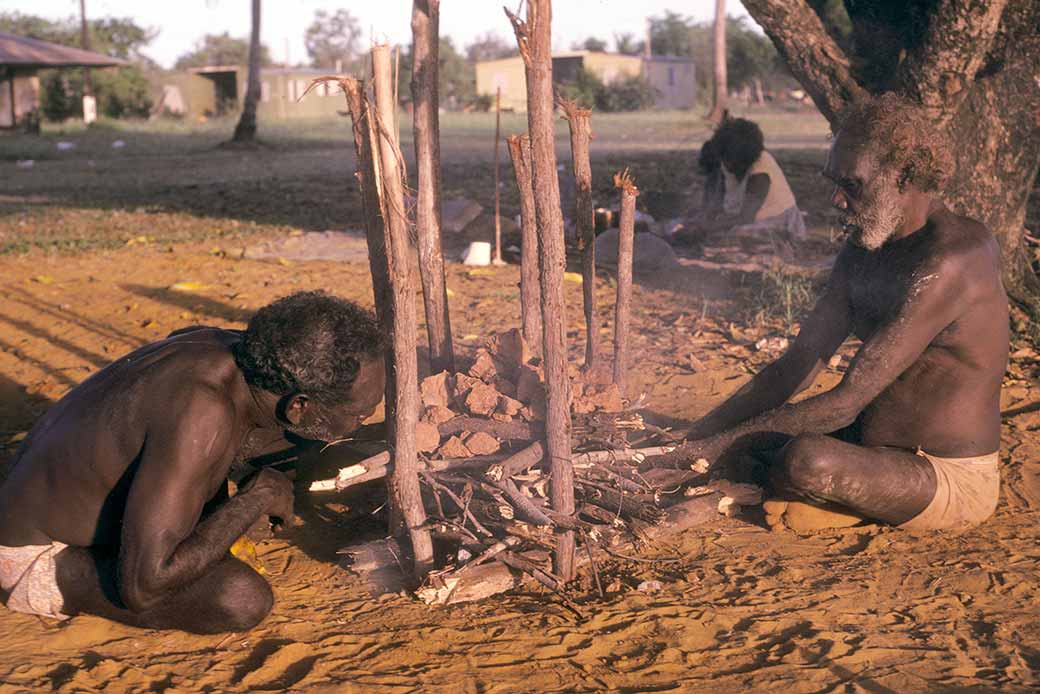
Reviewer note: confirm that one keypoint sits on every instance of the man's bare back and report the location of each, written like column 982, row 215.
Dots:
column 129, row 470
column 921, row 288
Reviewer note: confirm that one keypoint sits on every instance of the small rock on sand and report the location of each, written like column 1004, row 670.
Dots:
column 454, row 448
column 482, row 400
column 427, row 438
column 480, row 443
column 436, row 390
column 438, row 414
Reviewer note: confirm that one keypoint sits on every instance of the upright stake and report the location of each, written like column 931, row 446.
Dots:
column 622, row 309
column 498, row 206
column 402, row 402
column 579, row 120
column 530, row 292
column 426, row 124
column 535, row 42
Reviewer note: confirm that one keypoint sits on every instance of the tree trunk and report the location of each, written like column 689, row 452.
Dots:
column 622, row 307
column 972, row 66
column 579, row 121
column 426, row 124
column 402, row 395
column 719, row 62
column 245, row 131
column 535, row 42
column 530, row 292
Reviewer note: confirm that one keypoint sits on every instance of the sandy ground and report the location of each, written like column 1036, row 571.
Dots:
column 865, row 609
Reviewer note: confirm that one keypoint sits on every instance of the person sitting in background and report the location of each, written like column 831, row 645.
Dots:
column 745, row 189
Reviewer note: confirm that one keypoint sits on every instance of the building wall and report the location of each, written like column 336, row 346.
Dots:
column 610, row 66
column 675, row 82
column 280, row 93
column 507, row 73
column 26, row 99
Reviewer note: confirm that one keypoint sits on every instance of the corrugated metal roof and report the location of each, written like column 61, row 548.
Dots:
column 21, row 51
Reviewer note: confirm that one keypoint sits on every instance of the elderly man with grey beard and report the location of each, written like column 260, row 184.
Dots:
column 910, row 435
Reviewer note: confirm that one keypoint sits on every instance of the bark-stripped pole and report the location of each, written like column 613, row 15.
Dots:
column 498, row 195
column 579, row 120
column 426, row 125
column 530, row 292
column 402, row 402
column 622, row 309
column 535, row 42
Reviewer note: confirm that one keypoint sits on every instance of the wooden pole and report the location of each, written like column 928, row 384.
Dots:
column 623, row 307
column 498, row 195
column 579, row 120
column 535, row 42
column 530, row 292
column 719, row 62
column 426, row 124
column 402, row 402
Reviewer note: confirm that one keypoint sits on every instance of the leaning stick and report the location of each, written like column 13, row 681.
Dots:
column 426, row 126
column 498, row 193
column 402, row 398
column 535, row 42
column 530, row 292
column 623, row 307
column 579, row 121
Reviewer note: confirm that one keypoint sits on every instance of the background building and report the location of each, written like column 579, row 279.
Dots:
column 674, row 78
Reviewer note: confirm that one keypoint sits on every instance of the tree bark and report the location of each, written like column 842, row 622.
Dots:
column 972, row 66
column 718, row 42
column 535, row 43
column 426, row 125
column 402, row 395
column 622, row 307
column 530, row 292
column 579, row 121
column 498, row 193
column 245, row 131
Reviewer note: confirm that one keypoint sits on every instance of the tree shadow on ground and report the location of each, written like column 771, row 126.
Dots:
column 189, row 301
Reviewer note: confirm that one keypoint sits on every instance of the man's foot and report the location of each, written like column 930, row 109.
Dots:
column 802, row 517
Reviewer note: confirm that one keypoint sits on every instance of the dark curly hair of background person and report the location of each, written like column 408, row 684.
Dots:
column 904, row 138
column 739, row 143
column 308, row 342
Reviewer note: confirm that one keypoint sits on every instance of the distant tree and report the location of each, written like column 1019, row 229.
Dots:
column 333, row 36
column 751, row 57
column 591, row 44
column 122, row 92
column 670, row 34
column 490, row 46
column 457, row 77
column 627, row 44
column 220, row 49
column 627, row 93
column 245, row 131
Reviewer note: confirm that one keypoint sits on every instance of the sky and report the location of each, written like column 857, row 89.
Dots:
column 181, row 23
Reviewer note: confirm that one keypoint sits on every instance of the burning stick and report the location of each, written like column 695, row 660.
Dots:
column 425, row 22
column 535, row 42
column 530, row 292
column 579, row 120
column 623, row 181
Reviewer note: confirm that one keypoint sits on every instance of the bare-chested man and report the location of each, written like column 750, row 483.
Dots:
column 116, row 504
column 910, row 435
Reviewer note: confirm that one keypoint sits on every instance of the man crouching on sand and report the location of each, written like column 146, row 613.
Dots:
column 910, row 435
column 116, row 505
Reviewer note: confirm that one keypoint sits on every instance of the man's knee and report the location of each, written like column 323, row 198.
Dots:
column 245, row 599
column 809, row 464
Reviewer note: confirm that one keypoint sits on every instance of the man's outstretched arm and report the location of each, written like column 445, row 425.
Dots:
column 936, row 297
column 821, row 334
column 164, row 546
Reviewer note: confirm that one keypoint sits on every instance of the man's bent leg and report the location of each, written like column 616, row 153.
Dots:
column 886, row 484
column 229, row 597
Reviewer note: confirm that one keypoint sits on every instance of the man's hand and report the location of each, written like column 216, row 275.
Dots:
column 277, row 490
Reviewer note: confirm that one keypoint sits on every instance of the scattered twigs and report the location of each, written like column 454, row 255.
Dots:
column 517, row 463
column 593, row 564
column 463, row 506
column 426, row 125
column 628, row 505
column 530, row 292
column 523, row 505
column 622, row 310
column 491, row 552
column 579, row 120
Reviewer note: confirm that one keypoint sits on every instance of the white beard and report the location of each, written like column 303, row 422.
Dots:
column 878, row 219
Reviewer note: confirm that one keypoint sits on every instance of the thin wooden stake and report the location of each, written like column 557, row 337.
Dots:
column 402, row 401
column 498, row 194
column 579, row 120
column 535, row 42
column 530, row 292
column 623, row 307
column 426, row 125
